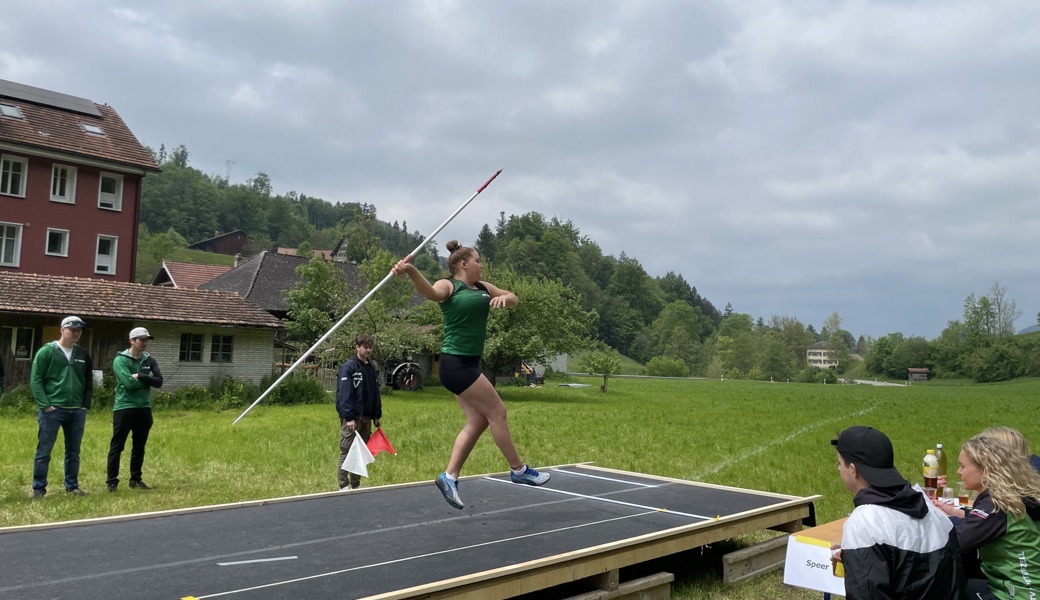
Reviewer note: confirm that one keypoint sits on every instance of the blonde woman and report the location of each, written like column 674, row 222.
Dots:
column 1003, row 525
column 466, row 300
column 1015, row 441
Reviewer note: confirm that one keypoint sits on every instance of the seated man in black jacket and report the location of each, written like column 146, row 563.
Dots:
column 895, row 544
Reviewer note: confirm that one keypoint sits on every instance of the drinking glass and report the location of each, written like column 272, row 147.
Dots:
column 962, row 494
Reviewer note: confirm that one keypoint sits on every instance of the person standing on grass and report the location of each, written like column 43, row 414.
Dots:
column 136, row 374
column 895, row 544
column 1003, row 525
column 465, row 301
column 62, row 383
column 358, row 404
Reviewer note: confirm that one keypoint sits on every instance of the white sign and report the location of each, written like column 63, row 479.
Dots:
column 808, row 565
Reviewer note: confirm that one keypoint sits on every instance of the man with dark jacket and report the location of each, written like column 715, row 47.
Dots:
column 62, row 383
column 136, row 374
column 895, row 544
column 357, row 402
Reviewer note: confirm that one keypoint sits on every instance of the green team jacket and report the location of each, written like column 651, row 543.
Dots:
column 134, row 392
column 56, row 381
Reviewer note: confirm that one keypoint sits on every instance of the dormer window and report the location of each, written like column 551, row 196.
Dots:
column 91, row 128
column 9, row 110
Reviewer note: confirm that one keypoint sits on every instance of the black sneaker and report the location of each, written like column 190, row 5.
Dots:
column 37, row 494
column 139, row 485
column 75, row 492
column 112, row 487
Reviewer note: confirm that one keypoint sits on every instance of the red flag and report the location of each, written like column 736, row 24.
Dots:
column 377, row 443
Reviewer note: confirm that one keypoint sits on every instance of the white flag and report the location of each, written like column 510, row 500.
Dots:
column 358, row 457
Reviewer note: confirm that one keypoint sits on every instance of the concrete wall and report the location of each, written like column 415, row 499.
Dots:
column 251, row 354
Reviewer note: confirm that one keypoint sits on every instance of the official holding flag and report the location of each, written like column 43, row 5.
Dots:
column 358, row 404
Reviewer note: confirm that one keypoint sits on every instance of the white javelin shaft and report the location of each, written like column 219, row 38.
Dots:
column 367, row 297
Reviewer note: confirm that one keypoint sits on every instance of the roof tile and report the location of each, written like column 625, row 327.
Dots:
column 29, row 293
column 52, row 128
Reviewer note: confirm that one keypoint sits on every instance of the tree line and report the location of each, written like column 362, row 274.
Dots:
column 662, row 322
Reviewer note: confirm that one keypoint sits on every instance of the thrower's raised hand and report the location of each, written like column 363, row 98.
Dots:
column 403, row 266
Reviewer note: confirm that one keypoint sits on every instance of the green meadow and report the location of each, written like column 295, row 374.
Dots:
column 767, row 436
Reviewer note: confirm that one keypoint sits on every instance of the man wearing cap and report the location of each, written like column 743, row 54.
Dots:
column 62, row 383
column 895, row 544
column 136, row 374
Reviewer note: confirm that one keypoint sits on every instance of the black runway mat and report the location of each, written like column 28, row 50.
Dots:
column 356, row 544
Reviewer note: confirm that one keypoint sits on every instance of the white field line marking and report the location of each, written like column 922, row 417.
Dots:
column 601, row 499
column 418, row 556
column 756, row 451
column 256, row 560
column 590, row 475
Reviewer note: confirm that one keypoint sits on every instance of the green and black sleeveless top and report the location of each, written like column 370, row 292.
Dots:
column 465, row 319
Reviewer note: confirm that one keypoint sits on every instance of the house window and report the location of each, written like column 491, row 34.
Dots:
column 9, row 110
column 91, row 128
column 220, row 349
column 105, row 259
column 63, row 184
column 57, row 242
column 10, row 244
column 22, row 342
column 12, row 175
column 110, row 192
column 191, row 347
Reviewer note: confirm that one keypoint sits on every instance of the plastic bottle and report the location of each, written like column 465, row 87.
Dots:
column 940, row 454
column 930, row 467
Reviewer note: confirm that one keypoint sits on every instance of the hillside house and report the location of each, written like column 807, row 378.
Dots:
column 70, row 186
column 821, row 356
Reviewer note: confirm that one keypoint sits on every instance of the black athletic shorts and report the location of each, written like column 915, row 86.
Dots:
column 459, row 372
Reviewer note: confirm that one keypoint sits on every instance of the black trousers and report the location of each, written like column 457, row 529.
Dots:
column 137, row 421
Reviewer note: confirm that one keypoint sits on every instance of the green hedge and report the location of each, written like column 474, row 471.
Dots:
column 221, row 394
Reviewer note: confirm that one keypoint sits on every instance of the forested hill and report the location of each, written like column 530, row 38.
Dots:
column 183, row 205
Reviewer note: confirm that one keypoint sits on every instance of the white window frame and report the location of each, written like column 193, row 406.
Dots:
column 22, row 338
column 7, row 161
column 106, row 267
column 12, row 258
column 64, row 251
column 69, row 196
column 109, row 200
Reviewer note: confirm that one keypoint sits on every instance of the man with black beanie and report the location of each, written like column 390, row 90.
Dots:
column 896, row 544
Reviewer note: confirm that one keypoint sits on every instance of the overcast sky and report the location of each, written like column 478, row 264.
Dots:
column 878, row 159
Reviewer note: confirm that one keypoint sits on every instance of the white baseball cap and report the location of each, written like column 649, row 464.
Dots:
column 140, row 332
column 72, row 323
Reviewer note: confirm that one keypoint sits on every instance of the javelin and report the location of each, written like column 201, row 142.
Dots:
column 366, row 298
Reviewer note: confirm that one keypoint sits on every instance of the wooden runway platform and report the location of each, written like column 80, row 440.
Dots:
column 392, row 542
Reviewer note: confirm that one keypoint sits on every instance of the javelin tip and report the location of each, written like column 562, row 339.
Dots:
column 488, row 182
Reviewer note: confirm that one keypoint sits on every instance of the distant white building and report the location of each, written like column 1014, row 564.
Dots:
column 821, row 356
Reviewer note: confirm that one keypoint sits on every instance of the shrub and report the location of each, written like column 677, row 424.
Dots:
column 300, row 388
column 104, row 397
column 20, row 398
column 667, row 366
column 228, row 393
column 191, row 397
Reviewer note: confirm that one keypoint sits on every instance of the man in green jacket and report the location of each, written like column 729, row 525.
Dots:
column 62, row 383
column 136, row 374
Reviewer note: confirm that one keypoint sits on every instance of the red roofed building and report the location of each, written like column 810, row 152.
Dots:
column 199, row 335
column 186, row 275
column 70, row 185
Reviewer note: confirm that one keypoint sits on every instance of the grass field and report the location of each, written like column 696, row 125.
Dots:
column 757, row 435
